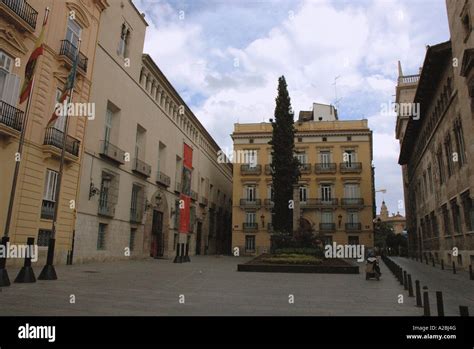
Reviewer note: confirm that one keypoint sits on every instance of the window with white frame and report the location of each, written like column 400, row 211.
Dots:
column 250, row 192
column 351, row 191
column 325, row 158
column 9, row 83
column 250, row 158
column 352, row 217
column 50, row 185
column 73, row 33
column 326, row 192
column 302, row 157
column 250, row 217
column 303, row 193
column 326, row 217
column 250, row 243
column 124, row 41
column 349, row 157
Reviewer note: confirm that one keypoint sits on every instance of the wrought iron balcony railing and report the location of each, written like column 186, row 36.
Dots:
column 353, row 227
column 305, row 168
column 350, row 167
column 55, row 138
column 329, row 167
column 194, row 195
column 250, row 169
column 112, row 152
column 250, row 203
column 268, row 203
column 23, row 10
column 325, row 202
column 47, row 209
column 352, row 202
column 204, row 201
column 11, row 116
column 141, row 167
column 250, row 226
column 163, row 179
column 69, row 50
column 327, row 227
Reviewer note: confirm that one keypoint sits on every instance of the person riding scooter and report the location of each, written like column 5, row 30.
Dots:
column 372, row 268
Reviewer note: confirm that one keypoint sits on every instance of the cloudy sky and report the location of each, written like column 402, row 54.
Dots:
column 224, row 58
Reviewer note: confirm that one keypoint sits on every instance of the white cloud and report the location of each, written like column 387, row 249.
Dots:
column 361, row 43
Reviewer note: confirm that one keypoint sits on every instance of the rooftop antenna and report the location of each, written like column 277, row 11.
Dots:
column 336, row 100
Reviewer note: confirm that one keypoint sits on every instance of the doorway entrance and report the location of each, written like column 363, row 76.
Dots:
column 157, row 244
column 198, row 238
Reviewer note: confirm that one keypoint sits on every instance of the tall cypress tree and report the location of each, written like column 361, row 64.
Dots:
column 285, row 170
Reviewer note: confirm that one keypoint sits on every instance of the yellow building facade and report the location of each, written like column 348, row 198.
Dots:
column 335, row 193
column 20, row 25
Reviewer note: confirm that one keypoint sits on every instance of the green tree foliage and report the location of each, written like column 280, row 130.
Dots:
column 284, row 164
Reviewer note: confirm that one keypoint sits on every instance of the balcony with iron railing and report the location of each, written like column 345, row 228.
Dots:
column 353, row 227
column 268, row 203
column 325, row 203
column 250, row 226
column 322, row 168
column 53, row 142
column 194, row 195
column 163, row 179
column 178, row 188
column 141, row 167
column 247, row 203
column 255, row 170
column 47, row 209
column 305, row 168
column 112, row 152
column 352, row 202
column 69, row 51
column 350, row 167
column 327, row 227
column 11, row 119
column 21, row 11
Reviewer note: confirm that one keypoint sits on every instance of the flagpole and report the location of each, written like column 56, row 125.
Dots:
column 4, row 280
column 49, row 272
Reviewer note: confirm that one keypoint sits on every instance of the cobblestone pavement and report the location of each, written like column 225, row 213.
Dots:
column 457, row 289
column 210, row 285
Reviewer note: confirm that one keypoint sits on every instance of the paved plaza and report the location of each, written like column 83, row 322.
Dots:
column 210, row 286
column 457, row 288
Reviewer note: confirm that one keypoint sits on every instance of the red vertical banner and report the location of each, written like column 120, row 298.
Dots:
column 186, row 191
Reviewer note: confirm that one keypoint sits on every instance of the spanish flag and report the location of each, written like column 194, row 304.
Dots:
column 31, row 65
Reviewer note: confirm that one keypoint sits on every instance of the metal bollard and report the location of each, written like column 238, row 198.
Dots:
column 454, row 268
column 26, row 274
column 471, row 275
column 405, row 280
column 439, row 303
column 463, row 310
column 442, row 264
column 426, row 302
column 410, row 286
column 418, row 294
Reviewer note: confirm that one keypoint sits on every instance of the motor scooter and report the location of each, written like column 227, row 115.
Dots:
column 372, row 269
